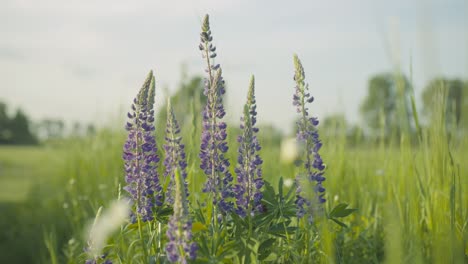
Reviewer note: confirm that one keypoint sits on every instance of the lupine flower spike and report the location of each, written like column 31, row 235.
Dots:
column 308, row 136
column 140, row 153
column 213, row 140
column 94, row 261
column 248, row 170
column 180, row 247
column 174, row 154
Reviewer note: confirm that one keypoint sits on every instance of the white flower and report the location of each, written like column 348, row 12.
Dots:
column 288, row 182
column 289, row 150
column 104, row 224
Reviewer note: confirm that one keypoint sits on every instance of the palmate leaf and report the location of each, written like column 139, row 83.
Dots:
column 282, row 229
column 280, row 187
column 277, row 205
column 264, row 250
column 339, row 222
column 340, row 211
column 269, row 196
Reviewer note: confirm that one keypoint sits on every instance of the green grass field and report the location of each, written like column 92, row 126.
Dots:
column 412, row 201
column 26, row 176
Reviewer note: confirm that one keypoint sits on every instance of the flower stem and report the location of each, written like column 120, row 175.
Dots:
column 143, row 245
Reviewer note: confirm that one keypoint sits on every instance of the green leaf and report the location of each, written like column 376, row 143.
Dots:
column 291, row 190
column 280, row 187
column 341, row 210
column 339, row 222
column 269, row 193
column 264, row 250
column 281, row 229
column 198, row 226
column 165, row 211
column 228, row 250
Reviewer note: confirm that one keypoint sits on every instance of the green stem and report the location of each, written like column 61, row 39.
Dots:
column 306, row 224
column 159, row 236
column 143, row 245
column 250, row 231
column 215, row 230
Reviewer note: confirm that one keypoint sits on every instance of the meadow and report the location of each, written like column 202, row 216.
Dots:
column 411, row 200
column 409, row 192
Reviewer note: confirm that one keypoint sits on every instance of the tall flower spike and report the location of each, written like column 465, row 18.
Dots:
column 180, row 247
column 152, row 94
column 308, row 136
column 174, row 154
column 140, row 153
column 248, row 170
column 213, row 140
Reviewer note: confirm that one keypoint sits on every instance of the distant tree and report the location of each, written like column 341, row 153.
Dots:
column 5, row 133
column 90, row 130
column 455, row 93
column 80, row 130
column 269, row 136
column 52, row 129
column 77, row 129
column 333, row 125
column 336, row 125
column 355, row 135
column 387, row 105
column 20, row 129
column 16, row 129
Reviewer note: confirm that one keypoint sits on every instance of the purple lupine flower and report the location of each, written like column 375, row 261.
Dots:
column 308, row 136
column 140, row 153
column 95, row 260
column 213, row 139
column 180, row 247
column 248, row 170
column 174, row 154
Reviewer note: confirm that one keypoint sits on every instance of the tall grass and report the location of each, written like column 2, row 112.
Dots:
column 411, row 198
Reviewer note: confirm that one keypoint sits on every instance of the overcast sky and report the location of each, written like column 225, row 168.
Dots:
column 85, row 60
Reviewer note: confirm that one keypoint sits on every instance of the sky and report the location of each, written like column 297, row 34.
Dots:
column 84, row 60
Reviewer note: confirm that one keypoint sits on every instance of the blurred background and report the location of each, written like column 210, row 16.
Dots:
column 383, row 73
column 81, row 61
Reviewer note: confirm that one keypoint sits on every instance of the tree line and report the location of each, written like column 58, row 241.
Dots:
column 392, row 108
column 18, row 129
column 389, row 109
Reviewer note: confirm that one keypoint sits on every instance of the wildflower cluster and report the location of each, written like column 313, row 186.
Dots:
column 248, row 217
column 308, row 136
column 140, row 153
column 248, row 170
column 213, row 139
